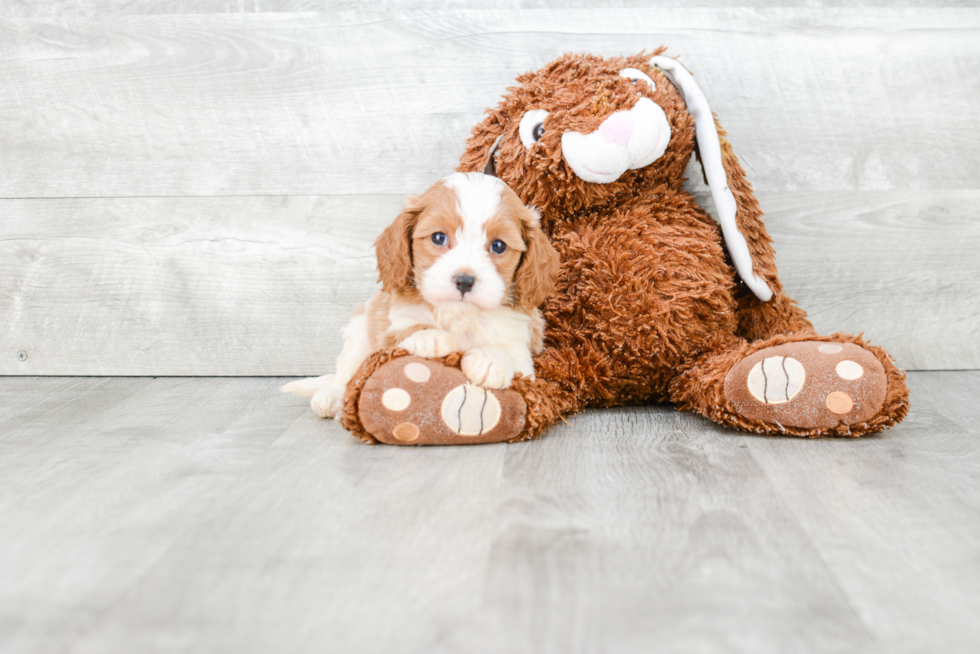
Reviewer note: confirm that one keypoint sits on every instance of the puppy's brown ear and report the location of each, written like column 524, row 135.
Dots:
column 394, row 248
column 536, row 275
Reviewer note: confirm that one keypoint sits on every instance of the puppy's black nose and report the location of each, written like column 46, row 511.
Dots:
column 465, row 283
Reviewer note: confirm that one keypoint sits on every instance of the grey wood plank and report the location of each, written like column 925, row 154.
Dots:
column 202, row 515
column 638, row 530
column 92, row 509
column 29, row 406
column 340, row 545
column 628, row 529
column 23, row 399
column 26, row 8
column 903, row 268
column 368, row 102
column 898, row 520
column 263, row 285
column 170, row 286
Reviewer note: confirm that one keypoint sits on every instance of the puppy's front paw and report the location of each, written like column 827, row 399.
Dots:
column 430, row 343
column 488, row 367
column 328, row 401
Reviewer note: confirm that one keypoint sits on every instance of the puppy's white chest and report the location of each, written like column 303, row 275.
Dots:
column 474, row 328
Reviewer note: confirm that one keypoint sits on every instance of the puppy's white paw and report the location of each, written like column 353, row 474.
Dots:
column 328, row 401
column 430, row 343
column 488, row 367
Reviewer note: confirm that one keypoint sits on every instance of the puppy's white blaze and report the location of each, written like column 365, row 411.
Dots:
column 477, row 196
column 477, row 200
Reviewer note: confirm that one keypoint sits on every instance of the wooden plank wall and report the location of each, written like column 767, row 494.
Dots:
column 193, row 188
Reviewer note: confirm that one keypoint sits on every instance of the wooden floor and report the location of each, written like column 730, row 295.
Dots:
column 218, row 515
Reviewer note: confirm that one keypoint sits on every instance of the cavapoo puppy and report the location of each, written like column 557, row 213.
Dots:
column 463, row 269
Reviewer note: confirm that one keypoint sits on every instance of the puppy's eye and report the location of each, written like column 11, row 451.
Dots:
column 637, row 76
column 439, row 238
column 498, row 246
column 532, row 127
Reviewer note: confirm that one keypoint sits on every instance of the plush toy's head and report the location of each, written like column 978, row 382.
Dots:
column 585, row 133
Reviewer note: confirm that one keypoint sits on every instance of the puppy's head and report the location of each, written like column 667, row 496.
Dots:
column 468, row 239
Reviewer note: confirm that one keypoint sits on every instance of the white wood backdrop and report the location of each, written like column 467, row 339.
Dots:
column 193, row 188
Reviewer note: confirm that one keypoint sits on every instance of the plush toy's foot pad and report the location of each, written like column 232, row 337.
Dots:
column 414, row 401
column 808, row 384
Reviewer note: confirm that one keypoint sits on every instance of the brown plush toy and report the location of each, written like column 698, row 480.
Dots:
column 656, row 301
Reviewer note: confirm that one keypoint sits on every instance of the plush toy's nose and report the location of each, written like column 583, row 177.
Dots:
column 626, row 140
column 618, row 128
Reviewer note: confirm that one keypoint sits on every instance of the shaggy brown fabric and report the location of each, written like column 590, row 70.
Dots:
column 648, row 307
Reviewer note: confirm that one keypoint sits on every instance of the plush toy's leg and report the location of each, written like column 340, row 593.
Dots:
column 400, row 399
column 759, row 320
column 798, row 385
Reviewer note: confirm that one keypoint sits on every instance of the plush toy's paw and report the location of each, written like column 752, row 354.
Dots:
column 412, row 401
column 488, row 367
column 328, row 401
column 429, row 343
column 808, row 384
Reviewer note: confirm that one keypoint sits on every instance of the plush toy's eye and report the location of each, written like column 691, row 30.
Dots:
column 498, row 246
column 439, row 238
column 636, row 76
column 532, row 126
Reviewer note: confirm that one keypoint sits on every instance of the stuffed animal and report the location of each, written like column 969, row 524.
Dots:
column 656, row 301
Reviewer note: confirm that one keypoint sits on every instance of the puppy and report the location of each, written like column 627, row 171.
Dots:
column 463, row 268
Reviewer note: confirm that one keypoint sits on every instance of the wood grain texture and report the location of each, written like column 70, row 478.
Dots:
column 264, row 285
column 217, row 515
column 363, row 102
column 169, row 286
column 196, row 193
column 109, row 489
column 26, row 8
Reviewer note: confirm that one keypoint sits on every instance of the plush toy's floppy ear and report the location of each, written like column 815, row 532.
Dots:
column 490, row 168
column 745, row 235
column 481, row 147
column 394, row 248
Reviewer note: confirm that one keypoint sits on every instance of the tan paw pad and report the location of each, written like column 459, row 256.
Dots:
column 776, row 380
column 418, row 372
column 470, row 410
column 848, row 369
column 396, row 399
column 839, row 403
column 406, row 432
